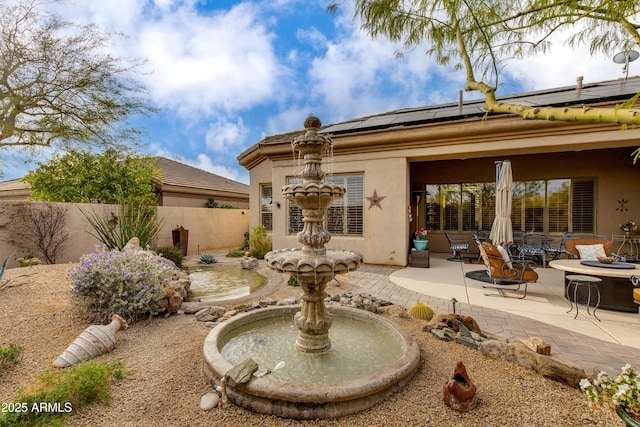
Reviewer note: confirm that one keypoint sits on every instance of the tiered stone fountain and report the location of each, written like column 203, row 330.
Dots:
column 314, row 266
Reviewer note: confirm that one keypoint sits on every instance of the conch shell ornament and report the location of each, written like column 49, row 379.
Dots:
column 92, row 342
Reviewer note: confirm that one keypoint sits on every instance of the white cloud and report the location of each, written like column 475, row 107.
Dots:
column 205, row 162
column 358, row 75
column 559, row 66
column 286, row 120
column 199, row 63
column 206, row 63
column 224, row 136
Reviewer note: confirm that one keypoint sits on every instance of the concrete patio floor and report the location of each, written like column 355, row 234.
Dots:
column 545, row 299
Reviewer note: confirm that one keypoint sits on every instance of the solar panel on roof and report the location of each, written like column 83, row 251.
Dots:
column 377, row 121
column 567, row 95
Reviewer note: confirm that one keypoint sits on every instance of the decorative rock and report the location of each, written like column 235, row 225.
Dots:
column 395, row 311
column 254, row 306
column 450, row 320
column 204, row 315
column 476, row 336
column 249, row 263
column 467, row 341
column 463, row 329
column 459, row 392
column 216, row 310
column 92, row 342
column 440, row 334
column 132, row 245
column 209, row 401
column 241, row 373
column 537, row 344
column 547, row 366
column 498, row 349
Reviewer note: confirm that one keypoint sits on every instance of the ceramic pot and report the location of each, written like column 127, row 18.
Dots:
column 92, row 342
column 420, row 245
column 181, row 240
column 631, row 422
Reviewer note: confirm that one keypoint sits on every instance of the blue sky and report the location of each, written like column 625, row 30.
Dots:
column 227, row 73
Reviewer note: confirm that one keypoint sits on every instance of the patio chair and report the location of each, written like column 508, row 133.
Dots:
column 506, row 272
column 572, row 243
column 534, row 245
column 556, row 252
column 457, row 247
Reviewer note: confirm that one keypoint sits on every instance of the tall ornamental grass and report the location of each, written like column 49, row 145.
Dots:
column 259, row 241
column 125, row 283
column 134, row 220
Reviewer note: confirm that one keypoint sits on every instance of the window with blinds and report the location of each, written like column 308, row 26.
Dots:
column 583, row 206
column 266, row 206
column 552, row 206
column 345, row 216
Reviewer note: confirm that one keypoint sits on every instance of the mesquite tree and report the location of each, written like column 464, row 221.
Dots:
column 58, row 84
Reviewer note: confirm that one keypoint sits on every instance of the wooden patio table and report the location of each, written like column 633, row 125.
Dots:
column 616, row 289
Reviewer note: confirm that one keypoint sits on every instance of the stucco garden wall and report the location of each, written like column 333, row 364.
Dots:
column 209, row 230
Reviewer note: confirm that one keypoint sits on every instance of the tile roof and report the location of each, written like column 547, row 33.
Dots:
column 179, row 174
column 13, row 184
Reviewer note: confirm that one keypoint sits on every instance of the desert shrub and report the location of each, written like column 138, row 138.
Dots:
column 125, row 283
column 65, row 390
column 259, row 241
column 172, row 253
column 293, row 281
column 10, row 354
column 39, row 228
column 236, row 253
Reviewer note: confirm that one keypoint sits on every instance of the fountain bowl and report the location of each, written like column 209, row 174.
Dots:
column 311, row 401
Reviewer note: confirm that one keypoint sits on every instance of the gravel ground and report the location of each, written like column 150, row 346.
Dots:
column 165, row 354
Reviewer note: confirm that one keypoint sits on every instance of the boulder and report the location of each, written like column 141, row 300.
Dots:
column 536, row 344
column 451, row 320
column 249, row 263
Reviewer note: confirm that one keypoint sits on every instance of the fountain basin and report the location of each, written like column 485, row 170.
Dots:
column 310, row 401
column 274, row 280
column 221, row 283
column 298, row 263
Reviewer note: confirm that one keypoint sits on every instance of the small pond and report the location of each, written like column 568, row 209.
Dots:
column 221, row 283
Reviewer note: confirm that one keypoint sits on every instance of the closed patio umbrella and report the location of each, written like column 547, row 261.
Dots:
column 501, row 230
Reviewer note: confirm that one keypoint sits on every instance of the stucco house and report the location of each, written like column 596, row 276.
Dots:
column 180, row 186
column 435, row 167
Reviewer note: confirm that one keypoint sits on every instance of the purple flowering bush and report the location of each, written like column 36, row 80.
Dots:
column 125, row 283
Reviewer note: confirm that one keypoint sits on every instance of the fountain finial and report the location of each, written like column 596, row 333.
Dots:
column 312, row 124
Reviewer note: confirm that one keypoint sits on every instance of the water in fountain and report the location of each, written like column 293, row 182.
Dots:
column 224, row 283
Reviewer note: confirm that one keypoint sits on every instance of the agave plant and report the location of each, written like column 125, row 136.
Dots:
column 207, row 259
column 5, row 282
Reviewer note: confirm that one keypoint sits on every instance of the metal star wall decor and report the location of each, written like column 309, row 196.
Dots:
column 622, row 205
column 375, row 199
